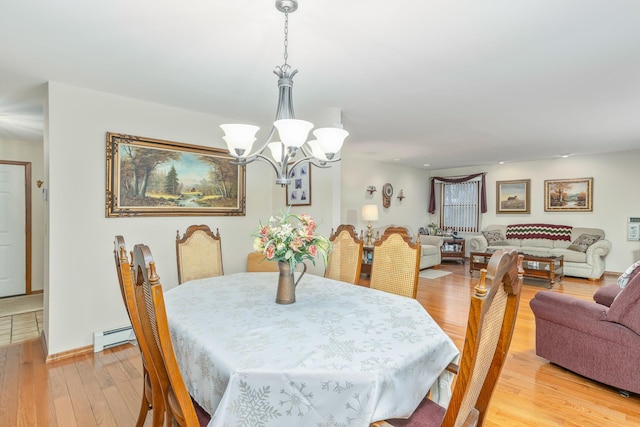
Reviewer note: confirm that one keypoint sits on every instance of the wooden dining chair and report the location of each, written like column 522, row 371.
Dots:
column 345, row 259
column 152, row 393
column 396, row 263
column 257, row 262
column 198, row 253
column 492, row 318
column 179, row 406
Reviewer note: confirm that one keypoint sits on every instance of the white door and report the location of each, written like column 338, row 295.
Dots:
column 13, row 279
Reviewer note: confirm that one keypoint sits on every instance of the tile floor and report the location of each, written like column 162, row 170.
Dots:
column 20, row 327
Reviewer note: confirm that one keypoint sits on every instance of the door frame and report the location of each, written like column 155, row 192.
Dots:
column 27, row 205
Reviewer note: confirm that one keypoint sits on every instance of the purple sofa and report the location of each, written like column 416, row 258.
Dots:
column 599, row 340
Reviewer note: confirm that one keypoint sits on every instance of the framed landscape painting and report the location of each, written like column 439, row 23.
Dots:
column 568, row 195
column 513, row 197
column 299, row 191
column 152, row 177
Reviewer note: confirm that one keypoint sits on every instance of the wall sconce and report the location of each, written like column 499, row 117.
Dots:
column 371, row 189
column 401, row 195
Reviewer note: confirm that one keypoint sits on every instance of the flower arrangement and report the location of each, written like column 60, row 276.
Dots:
column 291, row 238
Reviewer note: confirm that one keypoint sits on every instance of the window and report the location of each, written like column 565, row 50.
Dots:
column 460, row 206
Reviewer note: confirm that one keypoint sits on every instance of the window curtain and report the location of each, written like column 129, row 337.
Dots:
column 483, row 191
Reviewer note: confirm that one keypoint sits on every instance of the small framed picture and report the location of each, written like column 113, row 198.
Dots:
column 568, row 195
column 299, row 191
column 513, row 197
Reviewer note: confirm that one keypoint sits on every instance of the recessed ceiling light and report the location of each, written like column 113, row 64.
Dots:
column 564, row 156
column 426, row 165
column 501, row 162
column 396, row 160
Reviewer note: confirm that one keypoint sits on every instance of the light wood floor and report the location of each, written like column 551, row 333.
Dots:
column 104, row 389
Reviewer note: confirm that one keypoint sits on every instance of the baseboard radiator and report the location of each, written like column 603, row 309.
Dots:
column 112, row 337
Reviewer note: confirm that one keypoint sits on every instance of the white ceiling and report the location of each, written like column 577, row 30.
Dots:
column 448, row 83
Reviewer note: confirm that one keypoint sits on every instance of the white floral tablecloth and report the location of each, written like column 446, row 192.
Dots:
column 342, row 355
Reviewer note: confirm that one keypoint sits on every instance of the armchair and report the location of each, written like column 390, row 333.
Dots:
column 599, row 340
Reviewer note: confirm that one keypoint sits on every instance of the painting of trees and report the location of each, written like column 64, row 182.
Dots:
column 558, row 193
column 569, row 195
column 142, row 162
column 223, row 175
column 154, row 177
column 171, row 182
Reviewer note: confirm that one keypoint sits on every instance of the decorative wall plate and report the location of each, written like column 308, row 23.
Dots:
column 387, row 192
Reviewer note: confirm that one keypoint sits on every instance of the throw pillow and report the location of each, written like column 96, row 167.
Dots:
column 582, row 243
column 494, row 237
column 628, row 274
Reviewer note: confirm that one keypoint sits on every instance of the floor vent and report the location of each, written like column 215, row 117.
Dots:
column 112, row 338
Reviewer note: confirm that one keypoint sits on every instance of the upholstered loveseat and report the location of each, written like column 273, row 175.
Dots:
column 584, row 249
column 599, row 340
column 430, row 254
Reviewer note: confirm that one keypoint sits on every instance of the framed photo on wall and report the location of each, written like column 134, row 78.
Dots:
column 152, row 177
column 299, row 191
column 513, row 197
column 568, row 195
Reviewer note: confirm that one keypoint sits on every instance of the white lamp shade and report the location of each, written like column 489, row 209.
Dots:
column 276, row 148
column 330, row 139
column 370, row 212
column 293, row 132
column 316, row 151
column 239, row 137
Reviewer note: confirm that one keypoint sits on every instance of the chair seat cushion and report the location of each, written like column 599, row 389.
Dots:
column 427, row 414
column 203, row 416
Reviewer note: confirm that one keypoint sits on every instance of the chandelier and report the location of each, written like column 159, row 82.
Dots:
column 293, row 133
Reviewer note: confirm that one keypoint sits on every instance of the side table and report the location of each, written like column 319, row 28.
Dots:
column 367, row 260
column 453, row 249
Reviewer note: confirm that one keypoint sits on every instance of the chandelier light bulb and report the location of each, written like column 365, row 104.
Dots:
column 293, row 132
column 276, row 148
column 239, row 137
column 316, row 151
column 330, row 139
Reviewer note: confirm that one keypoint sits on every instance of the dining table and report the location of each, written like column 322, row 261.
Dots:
column 341, row 355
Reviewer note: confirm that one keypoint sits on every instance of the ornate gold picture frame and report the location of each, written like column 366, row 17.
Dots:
column 568, row 195
column 152, row 177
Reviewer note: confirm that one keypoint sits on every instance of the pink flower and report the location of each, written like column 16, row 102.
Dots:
column 265, row 230
column 313, row 250
column 295, row 244
column 270, row 251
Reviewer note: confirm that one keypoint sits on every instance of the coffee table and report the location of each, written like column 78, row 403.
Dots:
column 550, row 268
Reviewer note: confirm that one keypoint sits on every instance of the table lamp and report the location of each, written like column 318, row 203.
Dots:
column 369, row 213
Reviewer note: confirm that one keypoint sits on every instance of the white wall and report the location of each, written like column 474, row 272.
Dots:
column 81, row 290
column 357, row 175
column 83, row 294
column 31, row 151
column 615, row 176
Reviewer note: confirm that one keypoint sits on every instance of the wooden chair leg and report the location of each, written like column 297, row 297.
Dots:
column 145, row 405
column 157, row 403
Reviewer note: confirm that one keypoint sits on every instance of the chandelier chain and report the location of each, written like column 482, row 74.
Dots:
column 293, row 133
column 286, row 35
